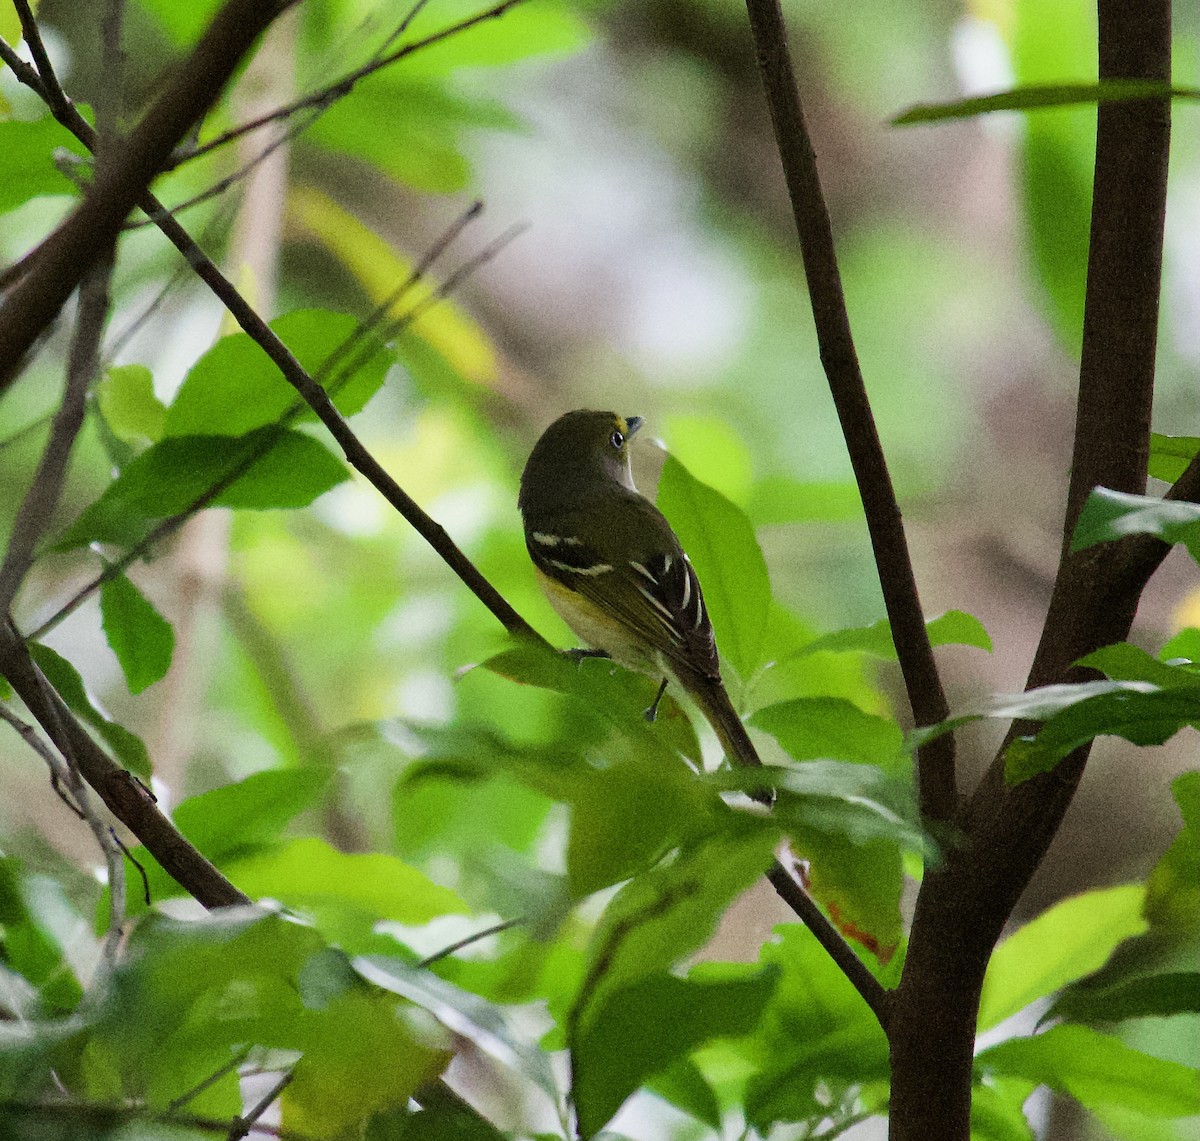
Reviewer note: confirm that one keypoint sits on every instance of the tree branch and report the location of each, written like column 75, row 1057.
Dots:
column 868, row 986
column 126, row 799
column 936, row 783
column 75, row 246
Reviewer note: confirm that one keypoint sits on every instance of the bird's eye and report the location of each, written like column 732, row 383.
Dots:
column 617, row 439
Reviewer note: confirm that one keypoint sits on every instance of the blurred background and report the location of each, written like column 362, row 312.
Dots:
column 644, row 261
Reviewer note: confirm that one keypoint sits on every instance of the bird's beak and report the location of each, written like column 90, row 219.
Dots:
column 632, row 424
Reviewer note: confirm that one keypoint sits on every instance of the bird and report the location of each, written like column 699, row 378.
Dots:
column 614, row 569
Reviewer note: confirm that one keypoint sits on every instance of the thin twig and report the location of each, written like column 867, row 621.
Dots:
column 243, row 1125
column 868, row 986
column 326, row 96
column 936, row 782
column 179, row 1102
column 42, row 497
column 454, row 948
column 58, row 771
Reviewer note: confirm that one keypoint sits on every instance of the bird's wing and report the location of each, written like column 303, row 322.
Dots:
column 634, row 568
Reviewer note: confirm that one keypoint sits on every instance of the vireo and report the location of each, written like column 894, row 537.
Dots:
column 614, row 570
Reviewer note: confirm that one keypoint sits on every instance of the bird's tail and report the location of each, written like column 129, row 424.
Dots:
column 709, row 694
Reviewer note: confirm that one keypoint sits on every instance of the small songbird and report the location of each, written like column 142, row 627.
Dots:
column 614, row 570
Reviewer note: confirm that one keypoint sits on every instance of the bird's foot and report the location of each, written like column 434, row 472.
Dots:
column 651, row 714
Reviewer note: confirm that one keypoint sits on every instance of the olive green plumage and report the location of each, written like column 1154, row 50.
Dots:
column 615, row 571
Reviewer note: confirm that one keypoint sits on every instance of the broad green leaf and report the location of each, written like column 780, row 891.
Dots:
column 1173, row 889
column 1148, row 996
column 269, row 468
column 663, row 915
column 780, row 499
column 536, row 27
column 1170, row 455
column 831, row 728
column 710, row 445
column 182, row 22
column 235, row 387
column 446, row 328
column 642, row 1029
column 1098, row 1070
column 1111, row 515
column 1067, row 941
column 27, row 167
column 1041, row 95
column 954, row 628
column 441, row 1116
column 254, row 811
column 141, row 638
column 818, row 1037
column 1123, row 662
column 1184, row 646
column 130, row 749
column 309, row 873
column 1053, row 41
column 128, row 404
column 686, row 1088
column 996, row 1110
column 482, row 1023
column 33, row 945
column 1141, row 717
column 721, row 544
column 362, row 1031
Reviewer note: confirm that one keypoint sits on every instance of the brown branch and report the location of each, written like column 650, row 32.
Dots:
column 92, row 228
column 125, row 797
column 42, row 498
column 936, row 782
column 868, row 986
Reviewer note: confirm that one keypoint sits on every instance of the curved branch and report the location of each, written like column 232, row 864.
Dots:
column 126, row 799
column 124, row 176
column 935, row 760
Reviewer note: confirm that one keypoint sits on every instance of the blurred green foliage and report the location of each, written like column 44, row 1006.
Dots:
column 392, row 777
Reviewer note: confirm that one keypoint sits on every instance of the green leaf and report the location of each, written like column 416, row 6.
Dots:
column 130, row 749
column 1184, row 647
column 663, row 915
column 1098, row 1070
column 235, row 387
column 1170, row 455
column 720, row 541
column 27, row 167
column 686, row 1088
column 1148, row 996
column 1123, row 662
column 269, row 468
column 1067, row 941
column 127, row 402
column 482, row 1023
column 1173, row 889
column 954, row 628
column 309, row 873
column 818, row 1037
column 817, row 728
column 182, row 22
column 141, row 638
column 1037, row 96
column 1111, row 515
column 996, row 1111
column 33, row 945
column 1143, row 717
column 642, row 1029
column 781, row 499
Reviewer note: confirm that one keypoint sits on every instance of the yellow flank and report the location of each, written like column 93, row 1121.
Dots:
column 596, row 627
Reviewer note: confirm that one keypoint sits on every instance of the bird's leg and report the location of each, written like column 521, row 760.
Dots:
column 651, row 714
column 579, row 654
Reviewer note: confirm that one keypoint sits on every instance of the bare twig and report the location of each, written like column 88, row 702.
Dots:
column 454, row 948
column 90, row 230
column 868, row 986
column 327, row 96
column 936, row 782
column 244, row 1125
column 42, row 498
